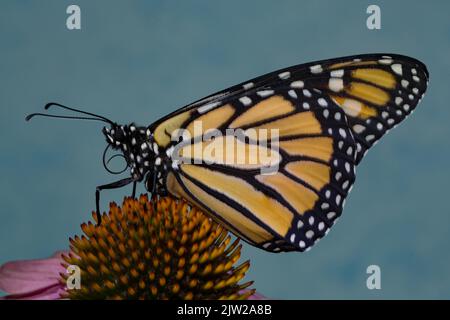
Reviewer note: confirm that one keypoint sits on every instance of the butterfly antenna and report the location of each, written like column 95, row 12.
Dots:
column 30, row 116
column 53, row 104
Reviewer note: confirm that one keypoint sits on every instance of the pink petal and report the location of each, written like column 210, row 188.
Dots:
column 24, row 277
column 257, row 296
column 52, row 292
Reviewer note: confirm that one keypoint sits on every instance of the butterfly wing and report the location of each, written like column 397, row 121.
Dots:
column 377, row 92
column 314, row 106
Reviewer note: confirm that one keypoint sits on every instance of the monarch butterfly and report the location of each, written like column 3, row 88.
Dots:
column 327, row 114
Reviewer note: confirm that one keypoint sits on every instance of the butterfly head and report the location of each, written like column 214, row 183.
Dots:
column 134, row 144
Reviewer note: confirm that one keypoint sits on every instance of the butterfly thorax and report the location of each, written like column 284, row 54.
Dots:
column 140, row 152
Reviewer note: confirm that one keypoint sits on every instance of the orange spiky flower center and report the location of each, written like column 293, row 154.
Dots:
column 156, row 250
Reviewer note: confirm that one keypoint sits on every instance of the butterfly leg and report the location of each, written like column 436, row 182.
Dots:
column 153, row 193
column 133, row 193
column 113, row 185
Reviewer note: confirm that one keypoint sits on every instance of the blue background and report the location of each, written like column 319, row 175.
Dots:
column 139, row 60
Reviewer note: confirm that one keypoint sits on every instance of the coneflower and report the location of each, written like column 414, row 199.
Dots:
column 156, row 250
